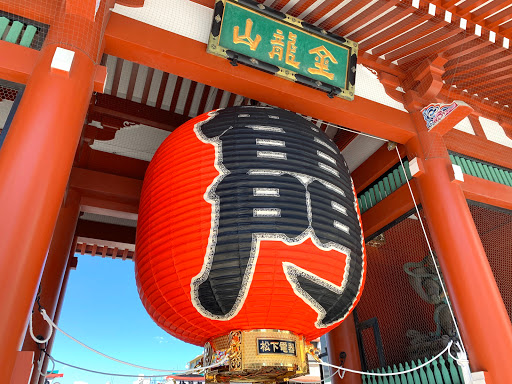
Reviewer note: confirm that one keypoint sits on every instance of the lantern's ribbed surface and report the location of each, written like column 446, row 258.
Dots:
column 246, row 219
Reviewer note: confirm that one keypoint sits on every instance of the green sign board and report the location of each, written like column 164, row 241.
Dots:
column 247, row 32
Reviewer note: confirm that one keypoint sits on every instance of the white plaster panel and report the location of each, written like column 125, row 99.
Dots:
column 111, row 70
column 465, row 126
column 360, row 149
column 182, row 97
column 124, row 81
column 369, row 87
column 136, row 141
column 183, row 17
column 494, row 132
column 140, row 82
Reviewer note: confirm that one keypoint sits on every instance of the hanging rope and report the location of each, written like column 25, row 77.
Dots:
column 431, row 252
column 168, row 371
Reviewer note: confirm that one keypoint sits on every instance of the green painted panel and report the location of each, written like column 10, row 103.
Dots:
column 382, row 189
column 472, row 168
column 453, row 371
column 416, row 374
column 364, row 203
column 373, row 199
column 4, row 22
column 387, row 186
column 487, row 172
column 391, row 180
column 377, row 193
column 499, row 176
column 14, row 32
column 422, row 374
column 458, row 161
column 506, row 175
column 465, row 166
column 482, row 171
column 437, row 372
column 402, row 175
column 477, row 169
column 494, row 174
column 407, row 170
column 398, row 181
column 28, row 36
column 368, row 199
column 444, row 371
column 392, row 378
column 452, row 159
column 430, row 374
column 408, row 376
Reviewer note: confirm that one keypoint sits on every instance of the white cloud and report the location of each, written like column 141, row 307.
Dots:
column 161, row 339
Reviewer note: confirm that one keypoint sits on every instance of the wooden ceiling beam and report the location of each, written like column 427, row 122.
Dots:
column 341, row 14
column 494, row 59
column 151, row 46
column 439, row 48
column 402, row 9
column 108, row 106
column 371, row 13
column 105, row 231
column 488, row 9
column 423, row 43
column 16, row 62
column 484, row 107
column 106, row 187
column 385, row 39
column 111, row 163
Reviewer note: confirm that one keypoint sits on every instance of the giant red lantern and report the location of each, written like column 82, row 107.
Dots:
column 248, row 220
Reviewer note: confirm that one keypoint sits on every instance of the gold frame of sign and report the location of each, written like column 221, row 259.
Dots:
column 260, row 355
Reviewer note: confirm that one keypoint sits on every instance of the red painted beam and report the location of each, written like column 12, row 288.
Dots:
column 375, row 166
column 154, row 47
column 110, row 163
column 106, row 194
column 16, row 62
column 120, row 110
column 388, row 210
column 478, row 148
column 487, row 192
column 105, row 231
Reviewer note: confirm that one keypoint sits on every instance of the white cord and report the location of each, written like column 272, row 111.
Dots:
column 118, row 374
column 391, row 373
column 351, row 130
column 52, row 324
column 39, row 341
column 432, row 253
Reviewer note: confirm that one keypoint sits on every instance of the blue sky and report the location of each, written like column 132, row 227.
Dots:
column 102, row 309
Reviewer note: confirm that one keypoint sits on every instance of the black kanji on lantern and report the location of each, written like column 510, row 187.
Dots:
column 281, row 178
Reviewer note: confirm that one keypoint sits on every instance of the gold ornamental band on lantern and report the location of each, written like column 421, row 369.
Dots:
column 261, row 355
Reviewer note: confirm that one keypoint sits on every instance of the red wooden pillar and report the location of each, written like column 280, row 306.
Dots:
column 482, row 317
column 71, row 265
column 343, row 338
column 36, row 160
column 53, row 274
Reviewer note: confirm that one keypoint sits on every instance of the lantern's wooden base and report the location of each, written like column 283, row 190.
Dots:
column 262, row 355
